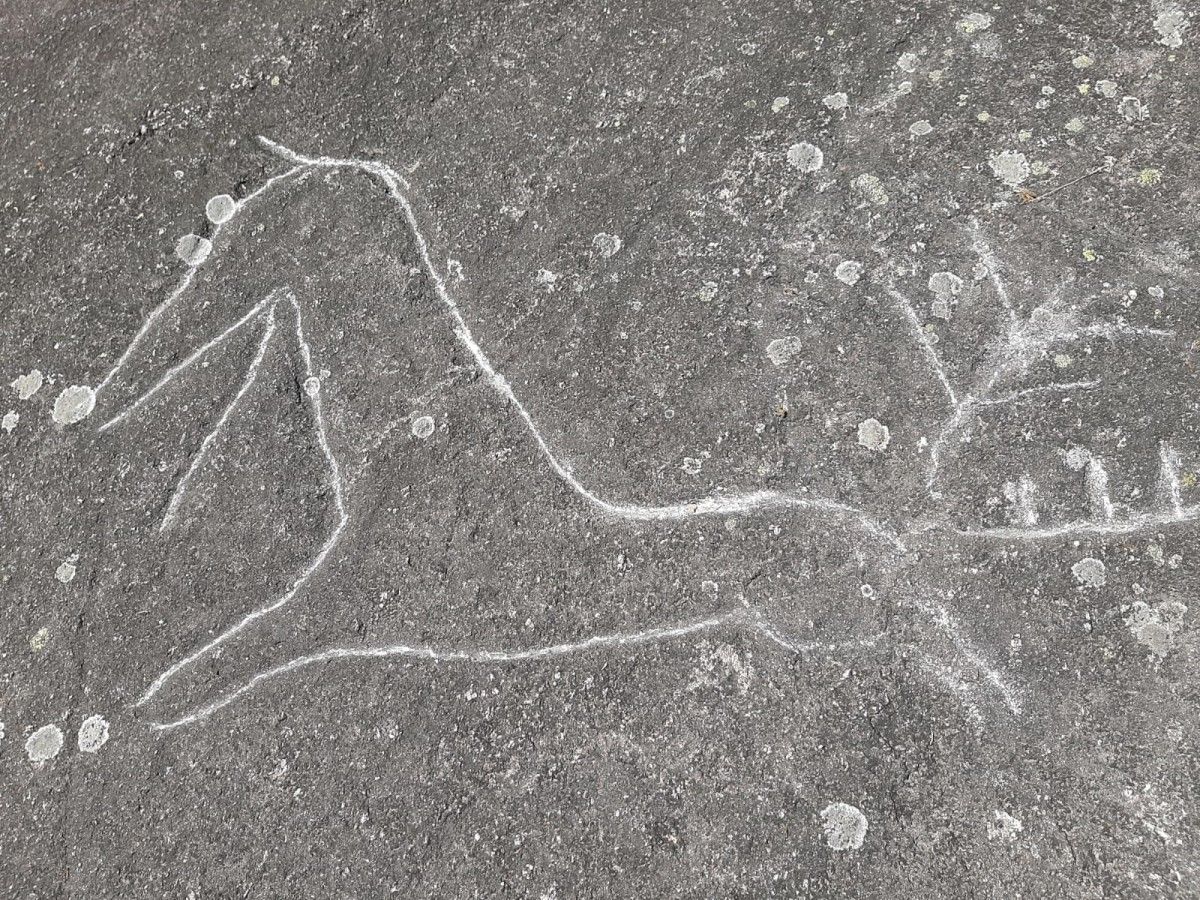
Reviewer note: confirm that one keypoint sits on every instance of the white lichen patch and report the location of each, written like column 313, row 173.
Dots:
column 93, row 734
column 1083, row 61
column 1133, row 110
column 908, row 62
column 1106, row 88
column 40, row 639
column 844, row 825
column 870, row 189
column 1077, row 457
column 1074, row 125
column 44, row 744
column 874, row 435
column 989, row 46
column 945, row 287
column 10, row 420
column 1155, row 627
column 422, row 427
column 312, row 386
column 848, row 272
column 74, row 404
column 691, row 465
column 840, row 100
column 1170, row 23
column 779, row 104
column 1010, row 166
column 782, row 351
column 974, row 22
column 65, row 573
column 1090, row 572
column 806, row 157
column 920, row 128
column 193, row 249
column 28, row 385
column 607, row 245
column 1004, row 828
column 220, row 209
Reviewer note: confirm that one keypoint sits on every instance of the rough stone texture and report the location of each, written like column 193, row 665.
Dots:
column 607, row 192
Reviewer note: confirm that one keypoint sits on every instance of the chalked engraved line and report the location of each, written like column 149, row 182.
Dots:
column 968, row 657
column 247, row 383
column 186, row 281
column 738, row 618
column 1023, row 341
column 335, row 480
column 188, row 362
column 708, row 506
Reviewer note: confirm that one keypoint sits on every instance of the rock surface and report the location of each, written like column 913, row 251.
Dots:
column 464, row 490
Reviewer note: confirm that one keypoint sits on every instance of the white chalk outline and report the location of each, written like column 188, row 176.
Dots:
column 741, row 503
column 1025, row 340
column 335, row 479
column 737, row 618
column 247, row 383
column 188, row 275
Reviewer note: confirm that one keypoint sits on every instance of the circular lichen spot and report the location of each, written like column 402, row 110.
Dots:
column 870, row 188
column 1149, row 176
column 781, row 351
column 220, row 209
column 44, row 744
column 973, row 22
column 93, row 734
column 848, row 272
column 193, row 249
column 607, row 245
column 422, row 427
column 1010, row 166
column 74, row 404
column 845, row 826
column 28, row 385
column 65, row 573
column 1090, row 572
column 874, row 435
column 38, row 642
column 806, row 157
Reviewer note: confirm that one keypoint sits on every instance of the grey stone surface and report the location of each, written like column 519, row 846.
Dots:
column 681, row 450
